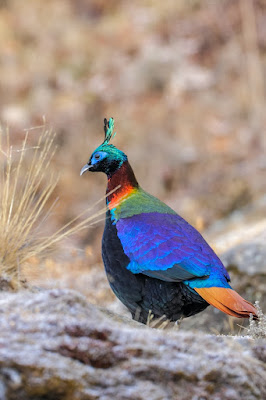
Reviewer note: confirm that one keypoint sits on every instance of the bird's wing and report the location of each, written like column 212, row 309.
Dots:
column 166, row 247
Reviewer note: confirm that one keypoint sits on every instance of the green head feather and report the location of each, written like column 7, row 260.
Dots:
column 108, row 130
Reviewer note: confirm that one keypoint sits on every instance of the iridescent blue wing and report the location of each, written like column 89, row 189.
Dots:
column 166, row 247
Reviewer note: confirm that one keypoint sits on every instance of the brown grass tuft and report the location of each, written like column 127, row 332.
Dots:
column 26, row 186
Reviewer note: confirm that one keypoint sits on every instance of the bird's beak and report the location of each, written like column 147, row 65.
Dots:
column 85, row 168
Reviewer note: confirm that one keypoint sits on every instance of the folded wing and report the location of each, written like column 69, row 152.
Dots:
column 166, row 247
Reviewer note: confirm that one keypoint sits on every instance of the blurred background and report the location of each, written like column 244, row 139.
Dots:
column 185, row 83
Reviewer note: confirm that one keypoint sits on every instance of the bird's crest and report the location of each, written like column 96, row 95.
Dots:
column 108, row 130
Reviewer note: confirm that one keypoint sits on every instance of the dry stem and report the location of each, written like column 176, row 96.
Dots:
column 26, row 188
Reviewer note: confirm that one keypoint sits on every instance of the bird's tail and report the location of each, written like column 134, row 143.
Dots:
column 228, row 301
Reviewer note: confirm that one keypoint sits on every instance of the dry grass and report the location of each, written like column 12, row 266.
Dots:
column 25, row 191
column 27, row 183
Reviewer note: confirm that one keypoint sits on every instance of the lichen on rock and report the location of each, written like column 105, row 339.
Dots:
column 55, row 345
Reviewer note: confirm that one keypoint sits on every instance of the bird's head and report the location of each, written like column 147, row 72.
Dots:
column 106, row 158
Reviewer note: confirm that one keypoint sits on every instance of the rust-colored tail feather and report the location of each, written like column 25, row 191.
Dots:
column 228, row 301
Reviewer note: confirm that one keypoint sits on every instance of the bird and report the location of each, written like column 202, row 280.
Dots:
column 155, row 261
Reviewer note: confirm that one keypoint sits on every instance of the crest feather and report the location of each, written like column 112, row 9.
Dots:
column 108, row 130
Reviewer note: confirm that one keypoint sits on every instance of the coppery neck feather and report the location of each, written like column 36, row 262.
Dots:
column 125, row 178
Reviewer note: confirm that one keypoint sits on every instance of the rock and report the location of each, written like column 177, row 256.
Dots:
column 246, row 263
column 249, row 256
column 55, row 345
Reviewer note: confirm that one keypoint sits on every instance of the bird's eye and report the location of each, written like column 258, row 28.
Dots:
column 98, row 156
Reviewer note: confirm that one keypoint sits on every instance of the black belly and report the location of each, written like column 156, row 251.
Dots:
column 141, row 294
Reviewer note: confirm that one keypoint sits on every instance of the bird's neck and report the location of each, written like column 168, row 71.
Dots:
column 121, row 184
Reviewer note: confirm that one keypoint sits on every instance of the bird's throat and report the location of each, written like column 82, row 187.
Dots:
column 120, row 185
